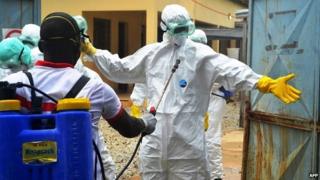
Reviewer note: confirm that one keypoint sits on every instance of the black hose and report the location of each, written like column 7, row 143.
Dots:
column 218, row 95
column 131, row 158
column 95, row 167
column 19, row 84
column 100, row 160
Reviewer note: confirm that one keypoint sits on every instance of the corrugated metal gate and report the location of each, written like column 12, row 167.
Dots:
column 17, row 13
column 281, row 141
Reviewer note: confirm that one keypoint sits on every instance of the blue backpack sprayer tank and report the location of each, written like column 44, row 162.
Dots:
column 56, row 146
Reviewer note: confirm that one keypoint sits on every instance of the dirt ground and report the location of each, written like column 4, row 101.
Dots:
column 232, row 154
column 122, row 148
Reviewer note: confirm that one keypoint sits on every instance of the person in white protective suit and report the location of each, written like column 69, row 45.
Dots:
column 216, row 109
column 29, row 37
column 14, row 56
column 215, row 112
column 177, row 148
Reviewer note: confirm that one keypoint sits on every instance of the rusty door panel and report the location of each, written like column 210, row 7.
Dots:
column 281, row 141
column 283, row 41
column 278, row 152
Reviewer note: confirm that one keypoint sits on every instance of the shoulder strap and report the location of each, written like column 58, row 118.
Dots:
column 36, row 101
column 33, row 92
column 77, row 87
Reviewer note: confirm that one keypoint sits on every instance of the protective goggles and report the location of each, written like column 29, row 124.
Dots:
column 29, row 43
column 185, row 28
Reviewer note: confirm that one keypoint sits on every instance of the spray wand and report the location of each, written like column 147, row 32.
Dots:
column 153, row 111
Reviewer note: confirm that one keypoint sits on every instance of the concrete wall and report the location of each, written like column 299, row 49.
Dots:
column 151, row 7
column 141, row 12
column 135, row 21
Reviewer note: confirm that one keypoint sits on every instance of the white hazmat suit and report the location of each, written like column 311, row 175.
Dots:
column 139, row 91
column 177, row 148
column 216, row 110
column 14, row 56
column 30, row 35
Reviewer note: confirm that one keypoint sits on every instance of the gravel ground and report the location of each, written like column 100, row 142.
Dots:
column 122, row 148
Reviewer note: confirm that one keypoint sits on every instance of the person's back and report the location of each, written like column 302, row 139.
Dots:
column 56, row 79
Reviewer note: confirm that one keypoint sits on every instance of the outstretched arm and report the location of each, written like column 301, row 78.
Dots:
column 130, row 69
column 236, row 75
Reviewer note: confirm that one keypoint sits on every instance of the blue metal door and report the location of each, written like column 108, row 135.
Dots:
column 282, row 140
column 17, row 13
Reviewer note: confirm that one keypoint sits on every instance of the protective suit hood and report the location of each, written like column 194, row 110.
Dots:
column 82, row 23
column 14, row 54
column 176, row 23
column 174, row 14
column 30, row 35
column 199, row 36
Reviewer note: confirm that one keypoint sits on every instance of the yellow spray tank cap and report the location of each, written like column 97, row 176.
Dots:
column 73, row 104
column 10, row 105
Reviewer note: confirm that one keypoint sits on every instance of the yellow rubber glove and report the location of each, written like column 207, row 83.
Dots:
column 280, row 88
column 87, row 48
column 135, row 111
column 206, row 121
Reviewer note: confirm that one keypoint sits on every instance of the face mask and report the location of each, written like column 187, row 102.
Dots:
column 177, row 39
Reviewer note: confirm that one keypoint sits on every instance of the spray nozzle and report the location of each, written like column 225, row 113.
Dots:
column 153, row 110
